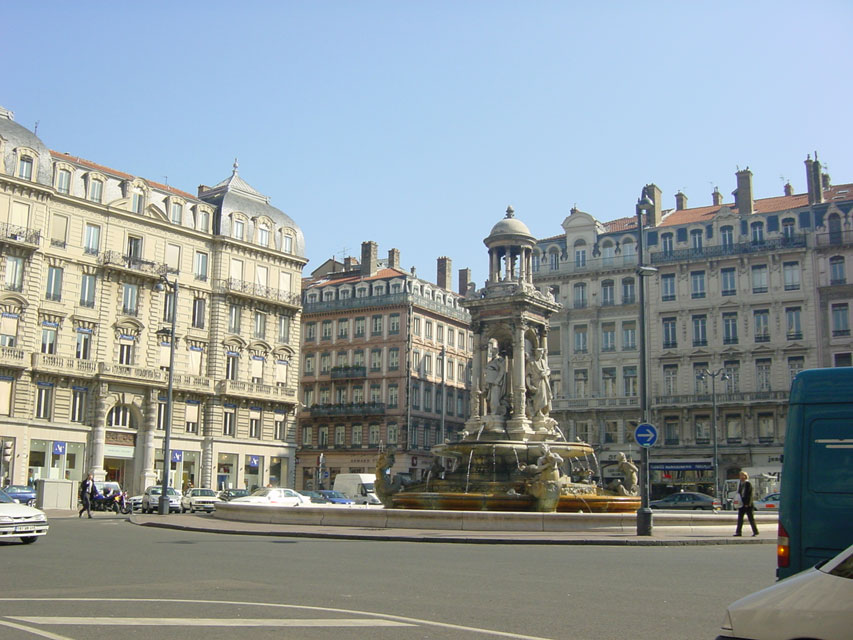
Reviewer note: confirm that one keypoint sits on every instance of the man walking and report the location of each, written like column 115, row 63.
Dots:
column 88, row 491
column 746, row 504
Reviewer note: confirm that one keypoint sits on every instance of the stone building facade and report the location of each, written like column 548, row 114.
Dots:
column 745, row 295
column 85, row 335
column 386, row 363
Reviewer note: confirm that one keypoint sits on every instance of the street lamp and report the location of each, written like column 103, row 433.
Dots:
column 704, row 375
column 172, row 285
column 644, row 514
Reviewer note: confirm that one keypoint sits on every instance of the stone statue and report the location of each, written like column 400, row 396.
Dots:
column 385, row 488
column 495, row 384
column 628, row 486
column 538, row 384
column 546, row 483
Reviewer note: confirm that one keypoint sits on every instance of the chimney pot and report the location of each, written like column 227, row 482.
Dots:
column 369, row 261
column 717, row 197
column 394, row 258
column 444, row 277
column 743, row 193
column 680, row 201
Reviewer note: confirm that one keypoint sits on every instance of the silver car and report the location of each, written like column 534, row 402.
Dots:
column 151, row 499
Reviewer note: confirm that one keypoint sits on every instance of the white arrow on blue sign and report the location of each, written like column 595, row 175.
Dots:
column 646, row 435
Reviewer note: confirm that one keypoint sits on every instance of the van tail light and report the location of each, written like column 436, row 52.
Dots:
column 783, row 548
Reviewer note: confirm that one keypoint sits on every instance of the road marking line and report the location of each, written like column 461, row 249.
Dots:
column 208, row 622
column 35, row 632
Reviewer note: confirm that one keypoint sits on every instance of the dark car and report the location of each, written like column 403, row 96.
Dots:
column 335, row 497
column 314, row 496
column 687, row 500
column 22, row 493
column 229, row 494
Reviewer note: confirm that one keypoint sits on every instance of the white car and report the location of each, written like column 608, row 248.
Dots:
column 20, row 521
column 135, row 502
column 816, row 603
column 199, row 500
column 768, row 503
column 274, row 495
column 151, row 499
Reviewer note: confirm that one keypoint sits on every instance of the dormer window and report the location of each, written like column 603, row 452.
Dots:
column 239, row 229
column 203, row 220
column 96, row 190
column 264, row 235
column 177, row 212
column 63, row 181
column 288, row 244
column 25, row 168
column 137, row 202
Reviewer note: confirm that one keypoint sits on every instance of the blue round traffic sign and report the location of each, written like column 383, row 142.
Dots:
column 646, row 435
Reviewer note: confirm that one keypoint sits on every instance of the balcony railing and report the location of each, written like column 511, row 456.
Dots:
column 255, row 390
column 12, row 357
column 192, row 382
column 564, row 404
column 60, row 364
column 19, row 235
column 391, row 299
column 349, row 409
column 796, row 241
column 738, row 397
column 341, row 373
column 258, row 291
column 834, row 238
column 132, row 264
column 131, row 371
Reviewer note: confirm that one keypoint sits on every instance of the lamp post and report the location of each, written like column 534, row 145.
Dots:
column 722, row 375
column 644, row 514
column 165, row 283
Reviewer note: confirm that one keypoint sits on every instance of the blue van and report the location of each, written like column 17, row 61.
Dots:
column 816, row 511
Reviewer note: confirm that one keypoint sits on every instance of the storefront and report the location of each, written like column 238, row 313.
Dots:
column 56, row 460
column 185, row 468
column 119, row 451
column 672, row 475
column 254, row 471
column 278, row 471
column 226, row 471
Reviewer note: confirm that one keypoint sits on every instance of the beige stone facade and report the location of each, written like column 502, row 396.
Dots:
column 751, row 292
column 85, row 340
column 379, row 345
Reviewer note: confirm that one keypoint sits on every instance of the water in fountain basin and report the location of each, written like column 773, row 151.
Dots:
column 468, row 472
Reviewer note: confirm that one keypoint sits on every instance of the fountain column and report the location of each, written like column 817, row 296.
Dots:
column 518, row 426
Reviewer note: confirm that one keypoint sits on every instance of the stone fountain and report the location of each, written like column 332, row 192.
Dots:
column 512, row 455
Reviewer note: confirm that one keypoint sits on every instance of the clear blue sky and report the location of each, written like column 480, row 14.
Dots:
column 415, row 124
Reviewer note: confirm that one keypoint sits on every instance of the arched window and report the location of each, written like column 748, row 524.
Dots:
column 608, row 252
column 580, row 254
column 121, row 416
column 535, row 262
column 554, row 258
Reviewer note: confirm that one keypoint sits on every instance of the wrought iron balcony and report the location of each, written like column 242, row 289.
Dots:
column 796, row 241
column 132, row 264
column 349, row 409
column 341, row 373
column 19, row 236
column 256, row 291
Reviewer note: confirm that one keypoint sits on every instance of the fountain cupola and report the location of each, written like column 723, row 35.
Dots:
column 510, row 251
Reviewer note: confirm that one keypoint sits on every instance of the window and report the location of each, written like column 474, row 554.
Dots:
column 83, row 350
column 394, row 324
column 14, row 273
column 795, row 365
column 343, row 329
column 255, row 421
column 325, row 363
column 702, row 429
column 229, row 419
column 734, row 428
column 757, row 232
column 608, row 296
column 629, row 336
column 232, row 365
column 376, row 359
column 628, row 291
column 416, row 395
column 700, row 333
column 44, row 400
column 260, row 325
column 759, row 278
column 761, row 322
column 608, row 378
column 579, row 299
column 360, row 325
column 25, row 168
column 696, row 240
column 130, row 299
column 670, row 379
column 373, row 435
column 134, row 249
column 728, row 284
column 428, row 330
column 200, row 266
column 697, row 284
column 198, row 313
column 54, row 284
column 234, row 319
column 608, row 336
column 168, row 306
column 310, row 331
column 264, row 235
column 843, row 360
column 580, row 257
column 191, row 417
column 792, row 320
column 393, row 396
column 393, row 359
column 762, row 374
column 836, row 270
column 840, row 320
column 96, row 190
column 87, row 290
column 629, row 375
column 78, row 404
column 137, row 202
column 461, row 340
column 125, row 350
column 766, row 427
column 730, row 328
column 666, row 243
column 48, row 340
column 376, row 325
column 667, row 287
column 358, row 358
column 732, row 380
column 92, row 239
column 288, row 244
column 326, row 330
column 239, row 229
column 63, row 181
column 791, row 271
column 8, row 329
column 427, row 364
column 727, row 237
column 554, row 260
column 284, row 329
column 670, row 340
column 788, row 228
column 608, row 251
column 580, row 334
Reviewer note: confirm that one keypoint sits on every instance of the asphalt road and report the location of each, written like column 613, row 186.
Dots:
column 105, row 577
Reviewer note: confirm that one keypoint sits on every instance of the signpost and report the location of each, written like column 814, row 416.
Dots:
column 646, row 435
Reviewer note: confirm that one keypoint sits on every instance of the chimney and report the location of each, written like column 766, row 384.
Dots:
column 394, row 259
column 680, row 201
column 717, row 197
column 464, row 279
column 813, row 180
column 369, row 261
column 350, row 263
column 825, row 181
column 444, row 278
column 202, row 188
column 652, row 192
column 743, row 193
column 789, row 190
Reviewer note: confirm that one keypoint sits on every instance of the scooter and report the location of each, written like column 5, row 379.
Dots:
column 116, row 502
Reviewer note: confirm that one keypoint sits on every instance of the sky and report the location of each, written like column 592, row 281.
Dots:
column 415, row 124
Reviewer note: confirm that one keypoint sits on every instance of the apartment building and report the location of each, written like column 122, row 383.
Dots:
column 96, row 264
column 745, row 294
column 386, row 363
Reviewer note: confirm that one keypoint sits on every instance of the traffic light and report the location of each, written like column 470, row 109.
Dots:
column 7, row 450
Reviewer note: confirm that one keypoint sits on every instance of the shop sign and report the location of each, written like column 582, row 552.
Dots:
column 177, row 455
column 682, row 465
column 253, row 461
column 59, row 447
column 118, row 451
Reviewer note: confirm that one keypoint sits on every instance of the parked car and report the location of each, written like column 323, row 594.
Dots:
column 135, row 502
column 816, row 603
column 315, row 497
column 22, row 493
column 151, row 499
column 768, row 503
column 21, row 521
column 687, row 500
column 226, row 495
column 335, row 497
column 274, row 496
column 198, row 500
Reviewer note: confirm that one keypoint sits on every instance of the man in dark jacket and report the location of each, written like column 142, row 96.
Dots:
column 88, row 491
column 747, row 506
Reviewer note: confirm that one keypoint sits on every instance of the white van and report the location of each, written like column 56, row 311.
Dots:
column 357, row 487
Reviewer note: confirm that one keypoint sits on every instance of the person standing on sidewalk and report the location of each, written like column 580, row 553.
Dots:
column 88, row 491
column 747, row 506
